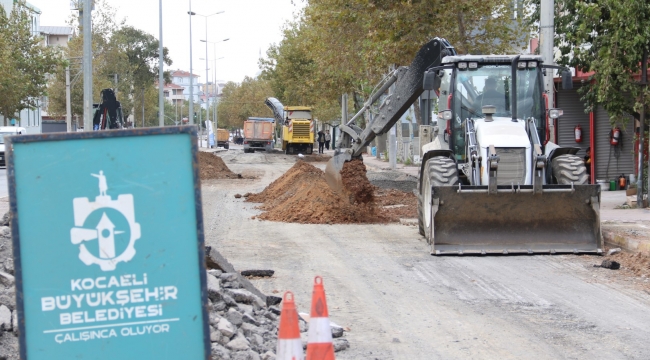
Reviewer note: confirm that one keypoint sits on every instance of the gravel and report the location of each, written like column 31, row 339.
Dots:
column 242, row 325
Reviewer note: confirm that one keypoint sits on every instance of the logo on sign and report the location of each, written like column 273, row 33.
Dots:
column 105, row 229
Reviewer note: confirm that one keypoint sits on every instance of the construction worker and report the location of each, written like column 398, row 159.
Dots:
column 490, row 96
column 328, row 138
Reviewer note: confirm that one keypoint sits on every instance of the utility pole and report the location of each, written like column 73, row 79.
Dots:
column 161, row 81
column 207, row 80
column 546, row 36
column 88, row 65
column 191, row 110
column 68, row 105
column 643, row 84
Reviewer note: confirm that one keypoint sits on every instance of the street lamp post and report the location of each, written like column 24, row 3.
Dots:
column 206, row 52
column 161, row 104
column 191, row 109
column 214, row 72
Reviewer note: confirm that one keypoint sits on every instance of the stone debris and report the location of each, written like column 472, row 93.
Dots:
column 613, row 251
column 258, row 273
column 237, row 196
column 5, row 318
column 243, row 321
column 6, row 219
column 609, row 264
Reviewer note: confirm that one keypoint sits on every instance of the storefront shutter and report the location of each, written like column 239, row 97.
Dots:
column 574, row 114
column 612, row 161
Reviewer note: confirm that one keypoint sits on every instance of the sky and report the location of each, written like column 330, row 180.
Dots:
column 250, row 26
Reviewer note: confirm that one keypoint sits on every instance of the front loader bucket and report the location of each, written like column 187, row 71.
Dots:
column 469, row 220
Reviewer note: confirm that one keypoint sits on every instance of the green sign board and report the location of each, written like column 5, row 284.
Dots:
column 108, row 245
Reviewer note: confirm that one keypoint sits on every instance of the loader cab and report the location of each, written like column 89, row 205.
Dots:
column 467, row 83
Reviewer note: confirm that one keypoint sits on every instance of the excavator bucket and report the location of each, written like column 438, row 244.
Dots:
column 333, row 170
column 470, row 220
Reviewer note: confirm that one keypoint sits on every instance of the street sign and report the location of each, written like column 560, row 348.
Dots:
column 108, row 245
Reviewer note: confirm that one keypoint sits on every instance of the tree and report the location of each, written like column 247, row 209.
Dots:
column 338, row 46
column 608, row 38
column 119, row 51
column 25, row 63
column 241, row 101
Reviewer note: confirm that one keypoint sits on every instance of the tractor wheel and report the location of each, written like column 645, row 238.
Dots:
column 569, row 169
column 227, row 146
column 438, row 171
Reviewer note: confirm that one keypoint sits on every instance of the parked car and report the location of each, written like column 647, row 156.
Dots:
column 8, row 131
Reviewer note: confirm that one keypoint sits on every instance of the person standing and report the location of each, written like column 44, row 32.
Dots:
column 321, row 141
column 328, row 138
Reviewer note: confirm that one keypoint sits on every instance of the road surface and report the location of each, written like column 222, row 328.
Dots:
column 4, row 189
column 401, row 303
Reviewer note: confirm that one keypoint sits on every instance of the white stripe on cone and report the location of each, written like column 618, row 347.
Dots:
column 290, row 350
column 319, row 330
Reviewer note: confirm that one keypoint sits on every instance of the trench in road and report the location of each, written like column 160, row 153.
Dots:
column 401, row 303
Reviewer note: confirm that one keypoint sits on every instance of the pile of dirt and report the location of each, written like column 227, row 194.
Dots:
column 212, row 167
column 636, row 264
column 316, row 158
column 356, row 183
column 302, row 195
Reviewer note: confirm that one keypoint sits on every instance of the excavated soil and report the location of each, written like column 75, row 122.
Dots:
column 302, row 195
column 356, row 182
column 212, row 167
column 316, row 158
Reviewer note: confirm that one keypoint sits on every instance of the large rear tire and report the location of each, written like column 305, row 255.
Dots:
column 438, row 171
column 569, row 169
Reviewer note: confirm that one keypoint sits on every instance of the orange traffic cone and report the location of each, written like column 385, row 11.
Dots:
column 319, row 346
column 289, row 344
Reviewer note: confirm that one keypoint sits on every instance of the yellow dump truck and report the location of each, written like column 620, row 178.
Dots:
column 297, row 126
column 223, row 137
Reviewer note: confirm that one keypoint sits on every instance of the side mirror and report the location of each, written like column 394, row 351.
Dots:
column 567, row 80
column 431, row 81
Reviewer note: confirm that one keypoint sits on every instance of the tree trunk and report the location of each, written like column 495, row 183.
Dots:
column 418, row 113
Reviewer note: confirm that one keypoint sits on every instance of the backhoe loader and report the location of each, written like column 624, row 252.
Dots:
column 490, row 182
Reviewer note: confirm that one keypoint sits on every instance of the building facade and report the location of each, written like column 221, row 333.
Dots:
column 608, row 161
column 56, row 35
column 182, row 78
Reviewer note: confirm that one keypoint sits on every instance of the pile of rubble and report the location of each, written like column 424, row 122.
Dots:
column 8, row 313
column 212, row 167
column 243, row 321
column 302, row 195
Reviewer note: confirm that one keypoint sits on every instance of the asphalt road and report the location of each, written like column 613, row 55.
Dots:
column 401, row 303
column 4, row 189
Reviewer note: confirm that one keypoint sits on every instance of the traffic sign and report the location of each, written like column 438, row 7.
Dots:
column 108, row 245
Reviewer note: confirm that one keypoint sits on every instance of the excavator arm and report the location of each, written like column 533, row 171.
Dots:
column 408, row 86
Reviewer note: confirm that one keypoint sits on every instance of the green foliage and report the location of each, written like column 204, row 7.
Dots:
column 607, row 37
column 24, row 63
column 240, row 101
column 121, row 50
column 338, row 46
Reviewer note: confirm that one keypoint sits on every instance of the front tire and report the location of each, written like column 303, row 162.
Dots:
column 568, row 169
column 438, row 171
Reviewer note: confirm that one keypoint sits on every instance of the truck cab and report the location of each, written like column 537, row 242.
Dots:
column 8, row 131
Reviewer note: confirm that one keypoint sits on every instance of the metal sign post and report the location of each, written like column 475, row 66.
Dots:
column 112, row 267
